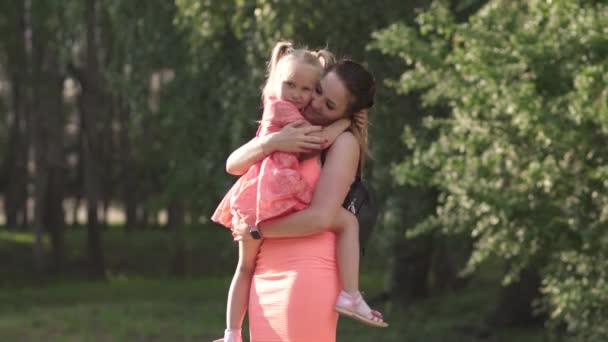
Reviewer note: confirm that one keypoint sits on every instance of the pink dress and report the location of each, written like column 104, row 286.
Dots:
column 273, row 186
column 295, row 285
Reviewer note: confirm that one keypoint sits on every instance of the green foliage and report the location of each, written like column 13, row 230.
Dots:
column 520, row 160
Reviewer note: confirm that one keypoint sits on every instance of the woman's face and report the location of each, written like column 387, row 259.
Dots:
column 329, row 101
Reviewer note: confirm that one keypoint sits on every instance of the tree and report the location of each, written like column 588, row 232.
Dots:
column 518, row 160
column 48, row 127
column 91, row 107
column 14, row 170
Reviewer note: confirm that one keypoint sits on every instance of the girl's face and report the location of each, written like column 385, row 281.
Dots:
column 329, row 102
column 296, row 83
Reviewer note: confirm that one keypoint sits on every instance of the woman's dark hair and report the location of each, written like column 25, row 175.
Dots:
column 359, row 82
column 361, row 85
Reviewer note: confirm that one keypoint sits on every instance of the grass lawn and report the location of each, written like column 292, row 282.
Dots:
column 140, row 303
column 192, row 310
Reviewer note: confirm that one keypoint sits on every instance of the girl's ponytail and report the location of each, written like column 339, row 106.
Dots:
column 326, row 58
column 279, row 51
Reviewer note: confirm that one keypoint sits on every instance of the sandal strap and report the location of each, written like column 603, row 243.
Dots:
column 378, row 314
column 357, row 298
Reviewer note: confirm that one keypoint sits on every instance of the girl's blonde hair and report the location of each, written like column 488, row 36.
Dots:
column 284, row 52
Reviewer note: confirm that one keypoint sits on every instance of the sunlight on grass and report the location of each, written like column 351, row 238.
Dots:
column 22, row 238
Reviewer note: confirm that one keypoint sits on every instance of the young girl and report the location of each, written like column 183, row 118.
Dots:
column 275, row 187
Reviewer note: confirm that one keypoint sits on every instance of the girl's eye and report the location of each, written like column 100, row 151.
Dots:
column 330, row 107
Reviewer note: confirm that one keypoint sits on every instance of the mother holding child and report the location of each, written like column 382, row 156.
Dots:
column 298, row 248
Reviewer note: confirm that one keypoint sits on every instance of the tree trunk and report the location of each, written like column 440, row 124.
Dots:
column 91, row 104
column 451, row 255
column 78, row 189
column 515, row 302
column 176, row 223
column 40, row 126
column 15, row 169
column 56, row 167
column 410, row 271
column 40, row 186
column 14, row 166
column 107, row 156
column 128, row 168
column 412, row 258
column 77, row 202
column 48, row 126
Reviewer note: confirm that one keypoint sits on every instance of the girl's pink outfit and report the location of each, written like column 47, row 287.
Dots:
column 295, row 285
column 272, row 187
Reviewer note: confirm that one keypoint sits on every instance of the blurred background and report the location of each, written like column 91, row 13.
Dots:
column 489, row 151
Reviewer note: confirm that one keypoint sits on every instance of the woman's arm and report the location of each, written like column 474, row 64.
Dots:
column 331, row 189
column 294, row 137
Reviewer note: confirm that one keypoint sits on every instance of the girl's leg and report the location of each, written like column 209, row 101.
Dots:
column 350, row 302
column 238, row 295
column 348, row 250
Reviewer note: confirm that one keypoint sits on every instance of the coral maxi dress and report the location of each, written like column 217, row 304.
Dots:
column 272, row 187
column 295, row 284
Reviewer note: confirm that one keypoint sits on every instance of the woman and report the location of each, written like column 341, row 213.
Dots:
column 295, row 286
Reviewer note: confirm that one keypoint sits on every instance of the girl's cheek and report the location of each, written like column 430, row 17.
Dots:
column 309, row 99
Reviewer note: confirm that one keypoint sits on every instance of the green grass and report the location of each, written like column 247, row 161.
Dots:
column 192, row 310
column 120, row 310
column 139, row 302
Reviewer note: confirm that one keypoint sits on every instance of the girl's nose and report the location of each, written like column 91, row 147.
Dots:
column 314, row 103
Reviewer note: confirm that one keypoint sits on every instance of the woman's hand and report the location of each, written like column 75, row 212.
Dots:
column 296, row 137
column 361, row 118
column 240, row 229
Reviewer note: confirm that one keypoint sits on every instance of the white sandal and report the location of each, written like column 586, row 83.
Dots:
column 355, row 307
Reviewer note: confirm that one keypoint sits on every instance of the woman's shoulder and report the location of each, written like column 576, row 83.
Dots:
column 345, row 145
column 346, row 139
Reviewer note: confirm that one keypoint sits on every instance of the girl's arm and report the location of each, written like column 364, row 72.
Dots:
column 332, row 131
column 294, row 137
column 331, row 189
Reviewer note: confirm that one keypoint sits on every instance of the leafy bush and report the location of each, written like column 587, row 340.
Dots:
column 521, row 159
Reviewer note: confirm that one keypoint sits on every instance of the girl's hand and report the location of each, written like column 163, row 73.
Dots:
column 295, row 137
column 361, row 118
